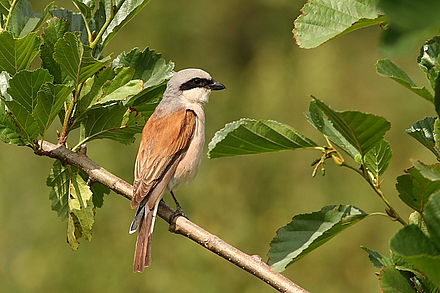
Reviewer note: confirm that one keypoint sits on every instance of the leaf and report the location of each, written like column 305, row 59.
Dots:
column 86, row 7
column 387, row 68
column 322, row 20
column 410, row 23
column 75, row 20
column 59, row 180
column 417, row 249
column 146, row 101
column 354, row 132
column 125, row 92
column 76, row 59
column 429, row 59
column 249, row 136
column 430, row 172
column 56, row 27
column 414, row 189
column 149, row 66
column 72, row 199
column 432, row 220
column 99, row 190
column 4, row 85
column 9, row 132
column 423, row 132
column 377, row 259
column 127, row 10
column 114, row 122
column 23, row 88
column 92, row 88
column 378, row 158
column 82, row 213
column 120, row 88
column 308, row 231
column 50, row 101
column 395, row 281
column 23, row 19
column 17, row 54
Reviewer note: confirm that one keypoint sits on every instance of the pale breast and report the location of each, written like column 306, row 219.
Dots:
column 188, row 165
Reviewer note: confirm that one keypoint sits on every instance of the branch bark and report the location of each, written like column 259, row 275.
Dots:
column 180, row 225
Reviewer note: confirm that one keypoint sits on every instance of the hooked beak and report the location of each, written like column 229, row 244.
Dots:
column 216, row 86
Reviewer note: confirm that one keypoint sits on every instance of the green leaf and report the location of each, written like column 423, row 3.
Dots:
column 429, row 59
column 82, row 212
column 23, row 19
column 23, row 88
column 432, row 219
column 417, row 249
column 120, row 88
column 99, row 190
column 124, row 13
column 50, row 101
column 76, row 59
column 414, row 189
column 75, row 20
column 59, row 180
column 146, row 101
column 431, row 172
column 377, row 259
column 72, row 199
column 123, row 93
column 423, row 132
column 249, row 136
column 308, row 231
column 86, row 7
column 322, row 20
column 354, row 132
column 17, row 54
column 387, row 68
column 395, row 281
column 9, row 132
column 437, row 136
column 56, row 27
column 410, row 23
column 149, row 66
column 114, row 122
column 378, row 158
column 93, row 88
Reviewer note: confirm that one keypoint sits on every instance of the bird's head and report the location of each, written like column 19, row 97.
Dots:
column 193, row 85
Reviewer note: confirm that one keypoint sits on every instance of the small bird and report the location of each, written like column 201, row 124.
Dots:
column 170, row 151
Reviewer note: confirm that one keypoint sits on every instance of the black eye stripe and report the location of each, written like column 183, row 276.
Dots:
column 195, row 83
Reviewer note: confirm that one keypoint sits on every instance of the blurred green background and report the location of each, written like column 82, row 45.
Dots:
column 247, row 45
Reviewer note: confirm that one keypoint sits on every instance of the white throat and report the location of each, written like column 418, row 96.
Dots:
column 196, row 95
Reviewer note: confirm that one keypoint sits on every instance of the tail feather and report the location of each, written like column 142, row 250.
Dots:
column 142, row 255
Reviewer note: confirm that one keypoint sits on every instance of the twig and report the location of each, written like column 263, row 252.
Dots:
column 181, row 225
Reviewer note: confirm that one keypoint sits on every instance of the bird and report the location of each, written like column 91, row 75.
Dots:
column 170, row 151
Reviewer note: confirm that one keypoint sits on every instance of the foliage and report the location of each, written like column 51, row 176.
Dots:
column 91, row 93
column 414, row 264
column 407, row 23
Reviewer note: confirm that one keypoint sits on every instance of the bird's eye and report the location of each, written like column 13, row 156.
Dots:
column 198, row 81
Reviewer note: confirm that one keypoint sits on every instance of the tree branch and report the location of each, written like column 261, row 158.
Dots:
column 181, row 225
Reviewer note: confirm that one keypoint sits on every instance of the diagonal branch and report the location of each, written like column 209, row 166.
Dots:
column 181, row 225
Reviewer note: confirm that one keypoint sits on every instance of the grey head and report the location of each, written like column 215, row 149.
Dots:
column 192, row 85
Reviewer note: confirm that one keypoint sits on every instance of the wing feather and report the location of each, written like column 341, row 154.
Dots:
column 164, row 139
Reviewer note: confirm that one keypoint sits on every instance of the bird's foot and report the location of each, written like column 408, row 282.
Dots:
column 177, row 213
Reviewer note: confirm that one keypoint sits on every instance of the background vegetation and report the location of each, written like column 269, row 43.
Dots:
column 248, row 46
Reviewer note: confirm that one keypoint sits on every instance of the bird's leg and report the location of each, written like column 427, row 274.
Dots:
column 179, row 211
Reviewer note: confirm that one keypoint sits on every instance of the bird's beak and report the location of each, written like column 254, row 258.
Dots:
column 216, row 86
